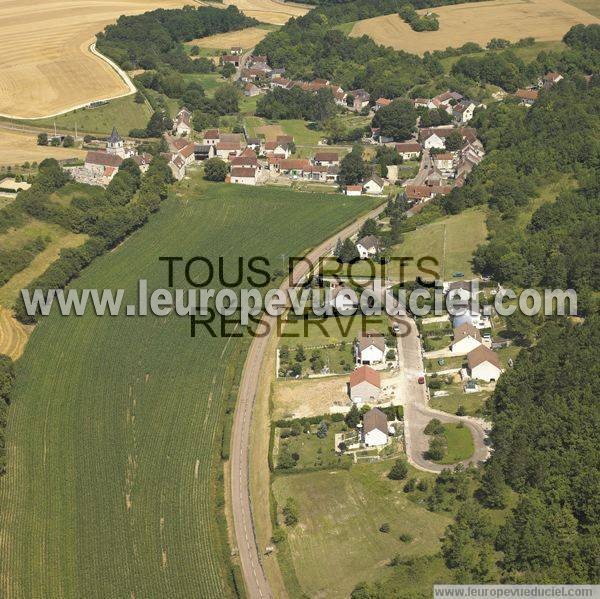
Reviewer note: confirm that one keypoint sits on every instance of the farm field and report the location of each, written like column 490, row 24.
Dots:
column 122, row 113
column 112, row 462
column 275, row 12
column 44, row 58
column 17, row 147
column 590, row 6
column 336, row 543
column 246, row 38
column 546, row 20
column 13, row 334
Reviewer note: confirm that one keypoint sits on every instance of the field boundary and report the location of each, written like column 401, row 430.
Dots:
column 122, row 74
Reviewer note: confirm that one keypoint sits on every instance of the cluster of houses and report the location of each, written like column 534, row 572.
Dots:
column 529, row 95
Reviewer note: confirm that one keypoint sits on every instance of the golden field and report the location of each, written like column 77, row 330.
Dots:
column 45, row 64
column 246, row 38
column 17, row 147
column 546, row 20
column 275, row 12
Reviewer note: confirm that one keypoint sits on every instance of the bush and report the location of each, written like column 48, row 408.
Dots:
column 405, row 537
column 410, row 485
column 399, row 470
column 290, row 512
column 434, row 427
column 215, row 169
column 385, row 527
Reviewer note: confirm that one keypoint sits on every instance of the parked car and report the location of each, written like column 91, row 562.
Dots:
column 421, row 380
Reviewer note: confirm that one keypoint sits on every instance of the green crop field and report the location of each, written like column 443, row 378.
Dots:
column 113, row 487
column 123, row 113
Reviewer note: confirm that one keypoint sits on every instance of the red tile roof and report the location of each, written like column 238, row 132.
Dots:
column 103, row 159
column 365, row 373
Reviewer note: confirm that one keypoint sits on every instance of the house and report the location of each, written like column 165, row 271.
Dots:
column 484, row 364
column 340, row 97
column 273, row 148
column 375, row 428
column 374, row 185
column 188, row 153
column 527, row 96
column 446, row 100
column 204, row 152
column 143, row 161
column 247, row 159
column 211, row 137
column 285, row 139
column 177, row 166
column 367, row 247
column 380, row 103
column 353, row 190
column 370, row 348
column 433, row 140
column 326, row 159
column 551, row 79
column 254, row 144
column 251, row 90
column 182, row 124
column 365, row 385
column 294, row 167
column 463, row 112
column 361, row 99
column 408, row 150
column 444, row 162
column 459, row 290
column 466, row 339
column 102, row 164
column 231, row 59
column 227, row 149
column 418, row 193
column 243, row 176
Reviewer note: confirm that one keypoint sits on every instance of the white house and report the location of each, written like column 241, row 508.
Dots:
column 408, row 150
column 326, row 159
column 463, row 112
column 177, row 166
column 434, row 141
column 182, row 125
column 374, row 185
column 444, row 162
column 243, row 176
column 466, row 339
column 460, row 291
column 484, row 364
column 367, row 247
column 361, row 99
column 211, row 137
column 274, row 148
column 370, row 348
column 375, row 428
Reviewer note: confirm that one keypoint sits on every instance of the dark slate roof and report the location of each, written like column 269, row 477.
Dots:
column 114, row 136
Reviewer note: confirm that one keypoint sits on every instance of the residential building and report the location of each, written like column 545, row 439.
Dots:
column 227, row 149
column 183, row 122
column 143, row 161
column 361, row 99
column 102, row 165
column 233, row 59
column 273, row 148
column 177, row 166
column 367, row 247
column 551, row 79
column 375, row 428
column 211, row 137
column 364, row 385
column 236, row 50
column 484, row 364
column 527, row 96
column 408, row 150
column 444, row 162
column 247, row 159
column 466, row 339
column 204, row 151
column 251, row 90
column 380, row 103
column 370, row 348
column 374, row 185
column 463, row 112
column 353, row 190
column 326, row 159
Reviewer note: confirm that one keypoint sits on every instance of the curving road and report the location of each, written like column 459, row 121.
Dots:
column 256, row 581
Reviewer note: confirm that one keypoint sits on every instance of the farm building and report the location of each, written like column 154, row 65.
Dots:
column 183, row 122
column 353, row 190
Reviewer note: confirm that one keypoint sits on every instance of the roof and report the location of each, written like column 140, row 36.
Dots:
column 244, row 160
column 377, row 179
column 188, row 150
column 211, row 134
column 368, row 241
column 295, row 164
column 230, row 58
column 203, row 149
column 142, row 159
column 371, row 338
column 238, row 171
column 114, row 136
column 230, row 137
column 353, row 187
column 375, row 419
column 444, row 156
column 248, row 153
column 178, row 161
column 327, row 157
column 285, row 139
column 383, row 102
column 228, row 145
column 552, row 76
column 273, row 145
column 418, row 191
column 408, row 146
column 466, row 330
column 482, row 354
column 178, row 142
column 103, row 159
column 365, row 373
column 527, row 94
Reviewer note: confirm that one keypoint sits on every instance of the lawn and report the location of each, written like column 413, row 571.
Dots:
column 209, row 81
column 113, row 435
column 453, row 362
column 303, row 132
column 459, row 443
column 337, row 542
column 65, row 195
column 123, row 113
column 472, row 402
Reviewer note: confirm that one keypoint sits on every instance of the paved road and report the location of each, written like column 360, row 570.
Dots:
column 256, row 581
column 417, row 412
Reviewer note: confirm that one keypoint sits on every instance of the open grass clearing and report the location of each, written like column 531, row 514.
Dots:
column 545, row 20
column 459, row 443
column 65, row 195
column 472, row 403
column 45, row 60
column 116, row 422
column 337, row 542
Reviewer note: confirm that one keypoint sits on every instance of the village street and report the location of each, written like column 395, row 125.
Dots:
column 417, row 412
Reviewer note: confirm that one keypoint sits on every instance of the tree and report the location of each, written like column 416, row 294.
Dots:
column 396, row 120
column 42, row 139
column 226, row 99
column 68, row 141
column 369, row 227
column 202, row 120
column 159, row 123
column 353, row 169
column 193, row 97
column 399, row 470
column 131, row 166
column 352, row 418
column 454, row 141
column 337, row 252
column 290, row 512
column 195, row 51
column 348, row 253
column 322, row 430
column 228, row 70
column 139, row 97
column 437, row 448
column 300, row 355
column 385, row 527
column 434, row 427
column 215, row 169
column 493, row 488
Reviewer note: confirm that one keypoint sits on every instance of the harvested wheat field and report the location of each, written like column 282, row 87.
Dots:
column 246, row 38
column 13, row 334
column 17, row 147
column 546, row 20
column 45, row 63
column 274, row 12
